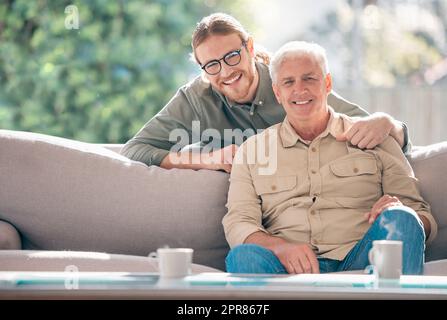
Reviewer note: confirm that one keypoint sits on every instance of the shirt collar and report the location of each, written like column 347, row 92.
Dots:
column 264, row 92
column 336, row 126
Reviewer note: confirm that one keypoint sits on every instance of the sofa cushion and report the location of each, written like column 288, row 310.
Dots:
column 63, row 194
column 436, row 268
column 429, row 164
column 31, row 260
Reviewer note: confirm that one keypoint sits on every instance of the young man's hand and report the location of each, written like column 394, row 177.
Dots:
column 368, row 132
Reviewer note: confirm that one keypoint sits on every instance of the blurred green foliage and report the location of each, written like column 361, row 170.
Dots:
column 101, row 82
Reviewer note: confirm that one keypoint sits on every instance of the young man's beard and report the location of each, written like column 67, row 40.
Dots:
column 239, row 91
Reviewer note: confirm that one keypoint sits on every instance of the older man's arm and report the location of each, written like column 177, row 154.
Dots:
column 244, row 215
column 398, row 180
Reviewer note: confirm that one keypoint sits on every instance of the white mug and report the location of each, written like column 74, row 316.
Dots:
column 386, row 256
column 173, row 262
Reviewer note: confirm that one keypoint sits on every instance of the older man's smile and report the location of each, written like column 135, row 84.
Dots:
column 302, row 102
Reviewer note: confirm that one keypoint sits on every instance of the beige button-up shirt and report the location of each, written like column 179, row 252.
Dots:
column 315, row 192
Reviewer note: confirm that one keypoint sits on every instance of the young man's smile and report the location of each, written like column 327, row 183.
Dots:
column 233, row 79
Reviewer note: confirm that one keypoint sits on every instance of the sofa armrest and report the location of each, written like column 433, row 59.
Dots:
column 112, row 147
column 9, row 237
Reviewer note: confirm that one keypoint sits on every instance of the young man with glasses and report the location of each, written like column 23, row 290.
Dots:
column 234, row 93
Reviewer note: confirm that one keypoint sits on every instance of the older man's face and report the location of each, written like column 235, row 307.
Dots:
column 236, row 82
column 302, row 88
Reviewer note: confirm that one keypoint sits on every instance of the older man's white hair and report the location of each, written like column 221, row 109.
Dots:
column 298, row 49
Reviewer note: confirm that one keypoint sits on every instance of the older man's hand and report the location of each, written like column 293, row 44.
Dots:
column 297, row 258
column 383, row 203
column 368, row 132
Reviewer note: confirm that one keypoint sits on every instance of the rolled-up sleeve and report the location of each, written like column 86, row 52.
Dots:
column 398, row 180
column 342, row 105
column 244, row 215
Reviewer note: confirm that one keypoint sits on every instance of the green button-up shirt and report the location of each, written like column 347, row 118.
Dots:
column 199, row 115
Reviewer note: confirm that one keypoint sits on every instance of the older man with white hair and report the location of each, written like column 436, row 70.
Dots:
column 327, row 200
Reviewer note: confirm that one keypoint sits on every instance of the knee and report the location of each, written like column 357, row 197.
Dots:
column 401, row 221
column 244, row 252
column 252, row 258
column 400, row 214
column 9, row 237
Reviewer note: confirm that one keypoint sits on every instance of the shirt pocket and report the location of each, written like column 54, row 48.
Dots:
column 354, row 167
column 357, row 178
column 275, row 191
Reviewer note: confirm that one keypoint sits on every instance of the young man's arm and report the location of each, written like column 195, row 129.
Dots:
column 157, row 142
column 152, row 142
column 220, row 159
column 370, row 130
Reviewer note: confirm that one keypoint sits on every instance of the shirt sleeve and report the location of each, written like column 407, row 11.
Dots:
column 408, row 146
column 398, row 180
column 344, row 106
column 170, row 128
column 244, row 215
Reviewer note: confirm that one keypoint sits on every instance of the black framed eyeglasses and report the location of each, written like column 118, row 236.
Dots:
column 231, row 59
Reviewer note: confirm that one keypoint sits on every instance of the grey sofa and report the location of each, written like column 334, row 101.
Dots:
column 65, row 202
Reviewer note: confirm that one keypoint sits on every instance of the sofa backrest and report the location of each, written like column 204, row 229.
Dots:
column 68, row 195
column 430, row 167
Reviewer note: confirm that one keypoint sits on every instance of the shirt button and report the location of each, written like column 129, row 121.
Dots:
column 314, row 149
column 261, row 102
column 312, row 212
column 356, row 170
column 313, row 172
column 273, row 187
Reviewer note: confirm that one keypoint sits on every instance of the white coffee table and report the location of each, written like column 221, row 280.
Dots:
column 204, row 286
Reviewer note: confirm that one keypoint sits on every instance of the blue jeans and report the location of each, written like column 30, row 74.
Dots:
column 252, row 258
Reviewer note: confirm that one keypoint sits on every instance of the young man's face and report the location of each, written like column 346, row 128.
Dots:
column 236, row 82
column 301, row 88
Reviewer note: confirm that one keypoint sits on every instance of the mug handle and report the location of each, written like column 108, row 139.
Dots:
column 371, row 255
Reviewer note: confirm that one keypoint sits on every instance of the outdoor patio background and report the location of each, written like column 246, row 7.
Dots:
column 423, row 109
column 103, row 79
